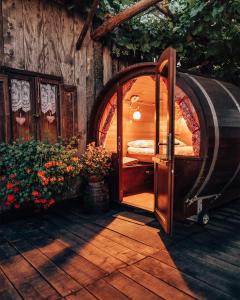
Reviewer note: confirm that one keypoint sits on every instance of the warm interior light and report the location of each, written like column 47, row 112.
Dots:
column 137, row 115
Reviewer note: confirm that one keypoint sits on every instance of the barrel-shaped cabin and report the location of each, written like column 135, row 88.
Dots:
column 175, row 139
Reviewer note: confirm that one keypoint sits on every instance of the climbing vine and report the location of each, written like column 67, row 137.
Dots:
column 206, row 34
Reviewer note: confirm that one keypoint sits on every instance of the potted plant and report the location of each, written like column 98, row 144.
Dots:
column 96, row 165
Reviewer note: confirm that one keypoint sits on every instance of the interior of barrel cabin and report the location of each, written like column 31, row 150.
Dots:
column 139, row 134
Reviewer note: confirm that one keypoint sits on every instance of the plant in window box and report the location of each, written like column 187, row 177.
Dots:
column 35, row 174
column 96, row 165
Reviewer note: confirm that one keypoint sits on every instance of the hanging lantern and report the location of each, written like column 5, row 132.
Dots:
column 137, row 115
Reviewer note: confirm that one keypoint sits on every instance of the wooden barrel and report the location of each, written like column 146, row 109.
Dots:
column 96, row 197
column 218, row 108
column 213, row 178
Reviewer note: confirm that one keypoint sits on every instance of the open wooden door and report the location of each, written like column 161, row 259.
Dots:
column 164, row 159
column 120, row 139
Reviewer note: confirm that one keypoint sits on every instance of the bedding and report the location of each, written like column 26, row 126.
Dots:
column 144, row 154
column 149, row 143
column 129, row 161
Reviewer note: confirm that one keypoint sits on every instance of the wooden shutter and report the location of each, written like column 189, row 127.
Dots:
column 5, row 127
column 68, row 111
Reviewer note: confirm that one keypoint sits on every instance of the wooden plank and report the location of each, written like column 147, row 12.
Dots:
column 80, row 80
column 104, row 291
column 122, row 253
column 1, row 35
column 7, row 291
column 107, row 65
column 23, row 276
column 122, row 239
column 207, row 269
column 101, row 259
column 87, row 24
column 154, row 284
column 81, row 295
column 98, row 67
column 182, row 281
column 62, row 282
column 114, row 249
column 51, row 15
column 90, row 84
column 13, row 34
column 33, row 35
column 66, row 46
column 144, row 234
column 79, row 268
column 224, row 251
column 59, row 43
column 129, row 287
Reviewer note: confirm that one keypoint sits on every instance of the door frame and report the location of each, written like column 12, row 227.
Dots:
column 167, row 57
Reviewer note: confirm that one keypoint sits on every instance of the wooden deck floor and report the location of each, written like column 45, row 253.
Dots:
column 68, row 255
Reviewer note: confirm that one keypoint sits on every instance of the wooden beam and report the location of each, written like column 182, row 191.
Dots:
column 164, row 10
column 123, row 16
column 87, row 24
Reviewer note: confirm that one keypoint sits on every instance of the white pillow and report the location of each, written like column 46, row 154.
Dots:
column 150, row 143
column 141, row 144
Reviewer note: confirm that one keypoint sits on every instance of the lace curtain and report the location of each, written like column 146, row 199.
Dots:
column 48, row 94
column 20, row 95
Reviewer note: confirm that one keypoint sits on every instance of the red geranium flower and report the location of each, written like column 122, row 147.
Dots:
column 9, row 186
column 17, row 205
column 11, row 198
column 36, row 194
column 43, row 201
column 16, row 189
column 13, row 176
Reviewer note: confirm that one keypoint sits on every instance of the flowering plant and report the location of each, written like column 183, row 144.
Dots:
column 35, row 173
column 96, row 161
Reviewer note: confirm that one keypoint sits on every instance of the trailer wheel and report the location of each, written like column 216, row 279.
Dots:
column 203, row 218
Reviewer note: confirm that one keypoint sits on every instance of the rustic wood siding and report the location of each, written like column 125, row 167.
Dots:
column 40, row 36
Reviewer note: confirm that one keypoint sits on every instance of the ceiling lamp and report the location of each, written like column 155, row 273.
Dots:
column 137, row 115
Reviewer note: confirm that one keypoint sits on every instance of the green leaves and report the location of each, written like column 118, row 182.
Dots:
column 201, row 31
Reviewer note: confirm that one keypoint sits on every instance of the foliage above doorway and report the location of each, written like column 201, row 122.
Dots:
column 205, row 34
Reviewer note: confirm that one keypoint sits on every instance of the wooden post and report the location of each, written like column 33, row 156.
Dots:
column 123, row 16
column 87, row 24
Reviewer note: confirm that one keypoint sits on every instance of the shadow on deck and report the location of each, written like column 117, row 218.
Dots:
column 120, row 255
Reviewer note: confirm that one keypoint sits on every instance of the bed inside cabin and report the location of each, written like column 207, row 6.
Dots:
column 138, row 133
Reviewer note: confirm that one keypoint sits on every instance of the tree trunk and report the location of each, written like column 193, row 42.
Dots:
column 123, row 16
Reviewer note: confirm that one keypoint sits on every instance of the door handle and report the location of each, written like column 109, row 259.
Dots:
column 162, row 144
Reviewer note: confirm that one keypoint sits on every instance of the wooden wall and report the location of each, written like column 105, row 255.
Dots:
column 40, row 36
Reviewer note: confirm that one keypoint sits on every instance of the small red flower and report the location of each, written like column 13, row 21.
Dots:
column 43, row 201
column 2, row 178
column 16, row 189
column 12, row 176
column 37, row 201
column 11, row 198
column 36, row 194
column 17, row 206
column 9, row 186
column 51, row 202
